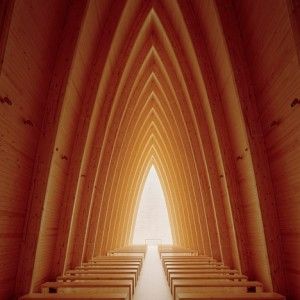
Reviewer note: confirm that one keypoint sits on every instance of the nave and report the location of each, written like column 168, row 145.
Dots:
column 94, row 94
column 161, row 272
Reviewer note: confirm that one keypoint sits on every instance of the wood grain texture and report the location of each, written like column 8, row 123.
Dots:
column 6, row 10
column 21, row 110
column 39, row 234
column 274, row 71
column 92, row 93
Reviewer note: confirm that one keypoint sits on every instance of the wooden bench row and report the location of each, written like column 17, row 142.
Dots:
column 203, row 278
column 104, row 277
column 140, row 250
column 171, row 250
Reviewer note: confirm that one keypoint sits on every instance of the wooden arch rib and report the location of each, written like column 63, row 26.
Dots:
column 194, row 95
column 142, row 130
column 207, row 189
column 131, row 72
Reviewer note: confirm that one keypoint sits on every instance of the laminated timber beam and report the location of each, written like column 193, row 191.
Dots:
column 219, row 132
column 83, row 242
column 46, row 146
column 87, row 169
column 100, row 186
column 74, row 186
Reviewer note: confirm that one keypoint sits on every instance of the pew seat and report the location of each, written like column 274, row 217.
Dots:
column 126, row 257
column 91, row 286
column 195, row 265
column 215, row 284
column 207, row 276
column 99, row 296
column 112, row 262
column 192, row 262
column 103, row 271
column 200, row 271
column 228, row 296
column 132, row 250
column 187, row 258
column 98, row 277
column 112, row 267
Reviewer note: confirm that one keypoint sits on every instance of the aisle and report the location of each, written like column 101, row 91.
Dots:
column 152, row 283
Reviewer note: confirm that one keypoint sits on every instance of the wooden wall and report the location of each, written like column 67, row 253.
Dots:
column 272, row 49
column 93, row 93
column 28, row 59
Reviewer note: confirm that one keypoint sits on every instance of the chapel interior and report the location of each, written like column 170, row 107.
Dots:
column 95, row 95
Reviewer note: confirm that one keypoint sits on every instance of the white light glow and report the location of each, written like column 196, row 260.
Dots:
column 152, row 220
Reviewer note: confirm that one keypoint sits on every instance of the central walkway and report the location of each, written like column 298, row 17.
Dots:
column 152, row 283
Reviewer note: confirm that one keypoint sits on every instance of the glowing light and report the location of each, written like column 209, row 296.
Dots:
column 152, row 222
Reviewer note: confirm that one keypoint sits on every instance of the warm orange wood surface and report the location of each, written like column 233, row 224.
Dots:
column 92, row 93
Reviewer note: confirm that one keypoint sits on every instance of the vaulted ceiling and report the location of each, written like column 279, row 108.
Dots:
column 93, row 93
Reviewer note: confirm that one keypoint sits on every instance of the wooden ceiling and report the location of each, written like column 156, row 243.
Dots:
column 95, row 92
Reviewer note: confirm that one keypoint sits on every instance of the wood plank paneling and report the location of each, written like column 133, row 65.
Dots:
column 26, row 69
column 93, row 92
column 271, row 50
column 42, row 218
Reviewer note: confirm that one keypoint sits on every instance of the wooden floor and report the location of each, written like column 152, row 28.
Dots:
column 152, row 283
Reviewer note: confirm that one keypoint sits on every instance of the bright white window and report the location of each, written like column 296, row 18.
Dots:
column 152, row 222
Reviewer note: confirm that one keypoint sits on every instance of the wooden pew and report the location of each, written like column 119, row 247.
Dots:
column 200, row 271
column 111, row 263
column 115, row 259
column 133, row 247
column 104, row 271
column 129, row 250
column 102, row 268
column 104, row 277
column 89, row 286
column 187, row 258
column 203, row 278
column 171, row 250
column 228, row 296
column 102, row 296
column 207, row 276
column 195, row 266
column 98, row 277
column 125, row 258
column 163, row 253
column 192, row 265
column 204, row 286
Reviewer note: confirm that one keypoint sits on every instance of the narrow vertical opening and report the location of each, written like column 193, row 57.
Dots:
column 152, row 222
